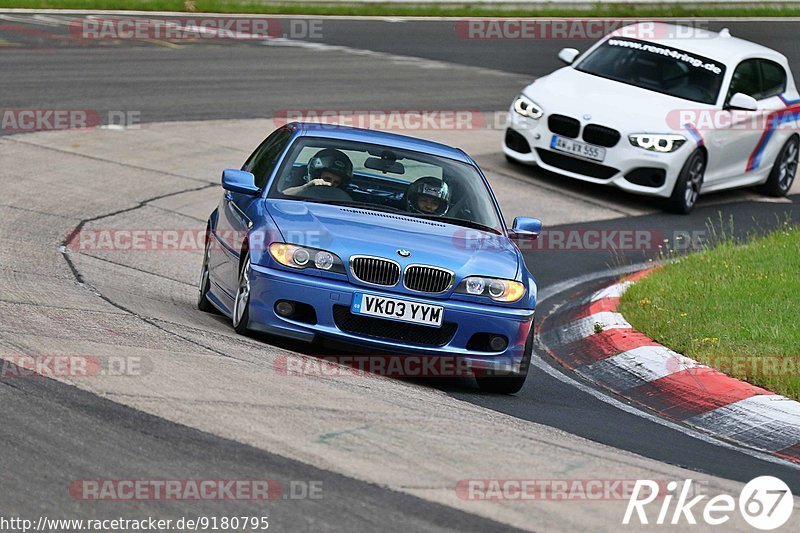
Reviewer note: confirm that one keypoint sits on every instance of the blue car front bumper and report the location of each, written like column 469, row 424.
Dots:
column 332, row 298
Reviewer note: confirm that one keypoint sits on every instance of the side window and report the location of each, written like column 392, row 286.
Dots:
column 773, row 79
column 746, row 79
column 263, row 160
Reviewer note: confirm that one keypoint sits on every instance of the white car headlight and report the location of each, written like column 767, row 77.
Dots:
column 663, row 143
column 527, row 108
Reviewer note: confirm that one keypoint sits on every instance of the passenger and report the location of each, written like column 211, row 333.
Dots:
column 429, row 196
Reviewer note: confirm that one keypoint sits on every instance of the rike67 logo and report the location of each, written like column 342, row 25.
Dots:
column 765, row 503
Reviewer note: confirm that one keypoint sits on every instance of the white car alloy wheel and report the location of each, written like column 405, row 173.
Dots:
column 695, row 181
column 689, row 183
column 785, row 169
column 788, row 167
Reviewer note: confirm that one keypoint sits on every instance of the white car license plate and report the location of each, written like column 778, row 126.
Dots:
column 589, row 151
column 394, row 309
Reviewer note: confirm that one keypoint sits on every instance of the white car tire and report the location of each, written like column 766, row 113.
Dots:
column 784, row 169
column 689, row 183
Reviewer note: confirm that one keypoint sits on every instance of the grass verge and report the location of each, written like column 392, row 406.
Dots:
column 467, row 9
column 735, row 307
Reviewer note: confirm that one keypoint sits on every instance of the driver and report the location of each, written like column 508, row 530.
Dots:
column 327, row 168
column 429, row 196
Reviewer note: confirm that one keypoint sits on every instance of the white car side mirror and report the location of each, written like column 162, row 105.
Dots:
column 742, row 102
column 568, row 55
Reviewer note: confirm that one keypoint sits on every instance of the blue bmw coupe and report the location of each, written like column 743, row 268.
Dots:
column 380, row 241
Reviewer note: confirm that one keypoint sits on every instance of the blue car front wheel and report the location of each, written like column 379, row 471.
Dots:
column 241, row 304
column 205, row 283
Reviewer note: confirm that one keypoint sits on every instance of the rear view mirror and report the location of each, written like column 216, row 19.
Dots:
column 568, row 55
column 385, row 165
column 239, row 181
column 527, row 227
column 742, row 102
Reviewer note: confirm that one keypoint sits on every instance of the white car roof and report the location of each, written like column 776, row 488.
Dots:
column 720, row 46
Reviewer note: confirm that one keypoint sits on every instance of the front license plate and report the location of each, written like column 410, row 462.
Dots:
column 394, row 309
column 581, row 149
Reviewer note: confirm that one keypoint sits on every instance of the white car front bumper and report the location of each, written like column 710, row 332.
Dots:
column 655, row 173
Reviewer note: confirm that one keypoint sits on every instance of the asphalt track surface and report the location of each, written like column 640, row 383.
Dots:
column 59, row 433
column 226, row 80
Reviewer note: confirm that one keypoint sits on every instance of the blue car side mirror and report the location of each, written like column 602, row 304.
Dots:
column 239, row 181
column 527, row 226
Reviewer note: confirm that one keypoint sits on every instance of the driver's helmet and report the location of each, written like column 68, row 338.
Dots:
column 333, row 161
column 428, row 188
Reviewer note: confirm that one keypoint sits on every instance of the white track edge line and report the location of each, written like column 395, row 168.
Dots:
column 605, row 397
column 709, row 439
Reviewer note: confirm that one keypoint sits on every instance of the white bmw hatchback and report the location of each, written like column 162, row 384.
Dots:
column 665, row 111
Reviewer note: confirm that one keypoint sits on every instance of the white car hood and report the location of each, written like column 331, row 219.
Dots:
column 629, row 109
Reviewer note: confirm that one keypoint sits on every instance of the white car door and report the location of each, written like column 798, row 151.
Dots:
column 735, row 142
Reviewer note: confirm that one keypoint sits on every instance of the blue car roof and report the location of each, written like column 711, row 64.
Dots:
column 331, row 131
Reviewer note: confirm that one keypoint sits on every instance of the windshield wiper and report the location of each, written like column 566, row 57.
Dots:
column 458, row 222
column 390, row 209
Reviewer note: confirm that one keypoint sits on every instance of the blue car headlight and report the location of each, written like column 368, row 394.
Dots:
column 302, row 257
column 499, row 290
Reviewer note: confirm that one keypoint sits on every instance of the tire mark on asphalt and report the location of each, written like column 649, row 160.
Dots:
column 59, row 308
column 64, row 249
column 241, row 341
column 143, row 271
column 30, row 273
column 36, row 212
column 172, row 211
column 111, row 161
column 285, row 407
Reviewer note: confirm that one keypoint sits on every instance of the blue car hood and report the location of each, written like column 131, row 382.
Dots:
column 350, row 231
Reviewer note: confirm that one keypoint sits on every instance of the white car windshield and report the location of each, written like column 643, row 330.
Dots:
column 657, row 68
column 385, row 178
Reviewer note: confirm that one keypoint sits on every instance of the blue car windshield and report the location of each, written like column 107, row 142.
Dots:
column 658, row 68
column 385, row 178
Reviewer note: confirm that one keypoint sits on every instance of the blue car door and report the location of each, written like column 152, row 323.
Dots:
column 234, row 223
column 232, row 227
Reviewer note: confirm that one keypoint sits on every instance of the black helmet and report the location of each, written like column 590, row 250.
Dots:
column 432, row 188
column 333, row 161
